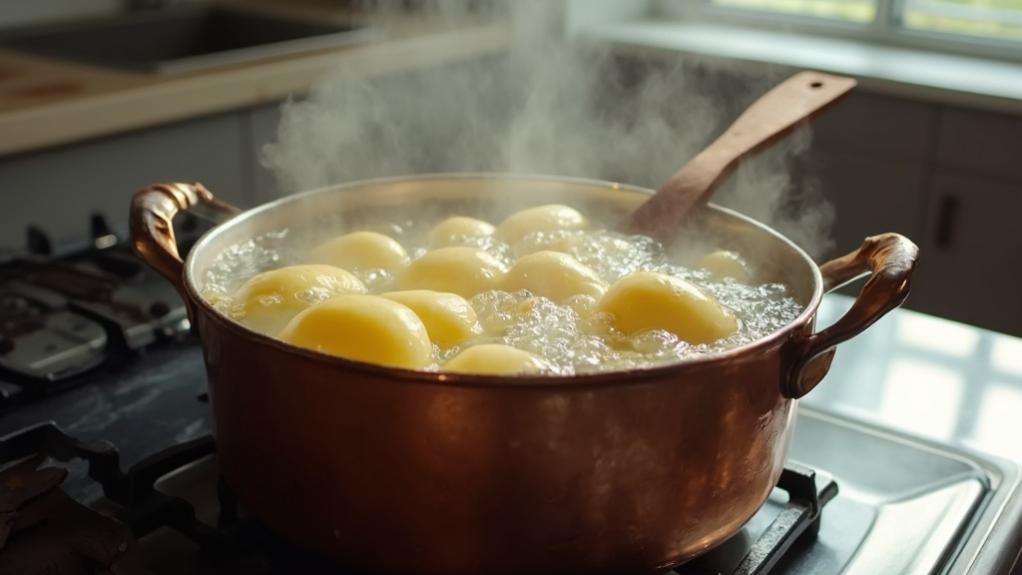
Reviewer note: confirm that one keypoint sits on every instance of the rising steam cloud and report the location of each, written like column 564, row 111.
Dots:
column 549, row 106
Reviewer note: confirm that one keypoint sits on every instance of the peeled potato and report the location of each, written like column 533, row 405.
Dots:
column 495, row 359
column 365, row 328
column 362, row 251
column 451, row 230
column 553, row 275
column 547, row 218
column 269, row 300
column 650, row 300
column 726, row 264
column 448, row 318
column 462, row 270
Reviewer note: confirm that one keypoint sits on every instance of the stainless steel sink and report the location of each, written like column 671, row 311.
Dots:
column 179, row 39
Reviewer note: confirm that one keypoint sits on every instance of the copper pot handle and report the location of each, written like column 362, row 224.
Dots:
column 152, row 231
column 891, row 259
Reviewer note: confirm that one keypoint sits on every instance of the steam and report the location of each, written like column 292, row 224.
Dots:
column 551, row 105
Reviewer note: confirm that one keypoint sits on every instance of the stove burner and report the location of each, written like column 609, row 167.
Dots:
column 241, row 545
column 65, row 312
column 81, row 536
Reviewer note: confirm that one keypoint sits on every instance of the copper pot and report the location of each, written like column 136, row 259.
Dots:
column 399, row 471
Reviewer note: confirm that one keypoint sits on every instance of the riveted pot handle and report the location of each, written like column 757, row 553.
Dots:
column 891, row 259
column 152, row 231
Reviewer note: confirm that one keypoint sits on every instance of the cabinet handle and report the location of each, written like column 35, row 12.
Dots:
column 947, row 215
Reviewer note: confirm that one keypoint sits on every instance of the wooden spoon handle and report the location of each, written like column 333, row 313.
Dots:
column 767, row 120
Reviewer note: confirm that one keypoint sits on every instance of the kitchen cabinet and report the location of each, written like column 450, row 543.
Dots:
column 870, row 195
column 58, row 189
column 972, row 252
column 981, row 143
column 870, row 125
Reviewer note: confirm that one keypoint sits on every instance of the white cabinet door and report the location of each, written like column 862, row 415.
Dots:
column 971, row 260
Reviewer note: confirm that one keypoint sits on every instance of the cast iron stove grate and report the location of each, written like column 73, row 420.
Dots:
column 43, row 530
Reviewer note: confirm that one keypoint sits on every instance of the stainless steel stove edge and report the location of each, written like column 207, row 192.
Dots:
column 990, row 543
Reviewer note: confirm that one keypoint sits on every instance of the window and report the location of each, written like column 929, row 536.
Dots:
column 978, row 27
column 981, row 18
column 851, row 10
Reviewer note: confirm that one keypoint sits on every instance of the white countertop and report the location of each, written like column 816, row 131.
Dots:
column 930, row 377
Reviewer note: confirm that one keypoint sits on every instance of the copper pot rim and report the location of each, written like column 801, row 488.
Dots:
column 523, row 382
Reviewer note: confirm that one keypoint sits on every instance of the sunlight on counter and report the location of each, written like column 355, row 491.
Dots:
column 1006, row 355
column 937, row 335
column 929, row 377
column 923, row 397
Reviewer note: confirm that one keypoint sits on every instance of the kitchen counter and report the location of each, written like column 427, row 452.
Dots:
column 45, row 102
column 934, row 378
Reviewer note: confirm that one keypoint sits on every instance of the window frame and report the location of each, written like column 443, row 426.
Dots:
column 886, row 28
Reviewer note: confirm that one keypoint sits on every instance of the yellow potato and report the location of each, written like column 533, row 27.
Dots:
column 365, row 328
column 453, row 229
column 553, row 275
column 726, row 264
column 650, row 300
column 547, row 218
column 462, row 270
column 362, row 251
column 267, row 301
column 495, row 359
column 448, row 318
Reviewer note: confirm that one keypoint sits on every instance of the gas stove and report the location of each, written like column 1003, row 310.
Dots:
column 63, row 313
column 107, row 463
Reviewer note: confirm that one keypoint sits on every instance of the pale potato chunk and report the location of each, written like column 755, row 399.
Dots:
column 553, row 275
column 462, row 270
column 649, row 300
column 364, row 328
column 727, row 264
column 362, row 251
column 547, row 218
column 454, row 229
column 495, row 359
column 448, row 317
column 267, row 301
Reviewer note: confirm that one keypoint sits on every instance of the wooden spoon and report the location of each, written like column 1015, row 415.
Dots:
column 776, row 114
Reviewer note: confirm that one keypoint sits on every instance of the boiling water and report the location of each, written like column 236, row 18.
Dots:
column 570, row 335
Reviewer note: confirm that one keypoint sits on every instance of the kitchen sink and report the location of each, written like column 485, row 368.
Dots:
column 180, row 39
